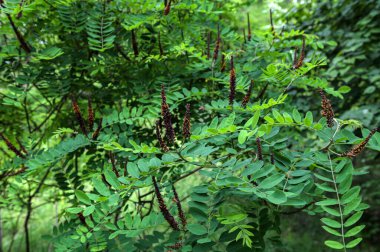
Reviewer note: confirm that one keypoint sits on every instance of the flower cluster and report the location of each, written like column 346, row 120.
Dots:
column 223, row 63
column 232, row 82
column 181, row 214
column 167, row 8
column 176, row 246
column 259, row 149
column 98, row 129
column 327, row 110
column 165, row 112
column 161, row 141
column 186, row 127
column 356, row 150
column 298, row 63
column 134, row 43
column 247, row 95
column 79, row 117
column 216, row 49
column 91, row 115
column 164, row 210
column 249, row 28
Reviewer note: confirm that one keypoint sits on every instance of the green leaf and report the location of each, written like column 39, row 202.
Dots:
column 354, row 231
column 197, row 229
column 334, row 244
column 353, row 219
column 331, row 231
column 88, row 210
column 340, row 166
column 133, row 170
column 287, row 117
column 308, row 119
column 100, row 187
column 354, row 243
column 345, row 184
column 252, row 122
column 271, row 181
column 278, row 116
column 327, row 202
column 242, row 136
column 111, row 178
column 83, row 239
column 82, row 197
column 323, row 178
column 351, row 195
column 252, row 168
column 352, row 206
column 331, row 223
column 49, row 53
column 74, row 210
column 344, row 89
column 256, row 118
column 331, row 211
column 296, row 116
column 277, row 197
column 324, row 187
column 269, row 119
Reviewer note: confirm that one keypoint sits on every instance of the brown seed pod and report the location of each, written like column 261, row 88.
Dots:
column 249, row 28
column 98, row 129
column 327, row 110
column 181, row 214
column 176, row 246
column 232, row 82
column 271, row 22
column 167, row 8
column 356, row 150
column 247, row 95
column 208, row 44
column 165, row 111
column 216, row 49
column 298, row 64
column 82, row 219
column 186, row 127
column 223, row 63
column 113, row 162
column 79, row 117
column 295, row 59
column 259, row 149
column 91, row 115
column 160, row 45
column 11, row 147
column 125, row 167
column 134, row 43
column 162, row 143
column 164, row 210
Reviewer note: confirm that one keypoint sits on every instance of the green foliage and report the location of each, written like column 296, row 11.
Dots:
column 238, row 174
column 350, row 42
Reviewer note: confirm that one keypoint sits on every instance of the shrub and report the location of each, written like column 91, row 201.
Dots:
column 243, row 155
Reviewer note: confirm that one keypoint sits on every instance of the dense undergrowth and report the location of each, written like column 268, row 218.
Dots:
column 161, row 126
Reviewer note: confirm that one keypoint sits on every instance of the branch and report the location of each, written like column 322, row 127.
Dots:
column 14, row 173
column 57, row 108
column 19, row 36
